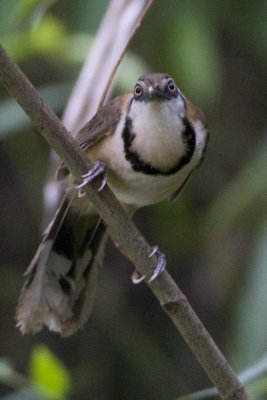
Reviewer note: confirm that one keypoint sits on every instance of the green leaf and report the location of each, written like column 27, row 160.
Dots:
column 50, row 33
column 49, row 373
column 46, row 38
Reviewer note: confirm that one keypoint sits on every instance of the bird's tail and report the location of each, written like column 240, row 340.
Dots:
column 61, row 280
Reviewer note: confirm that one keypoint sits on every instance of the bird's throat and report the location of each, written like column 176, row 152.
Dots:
column 155, row 138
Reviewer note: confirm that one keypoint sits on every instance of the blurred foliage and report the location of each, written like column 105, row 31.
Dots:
column 48, row 373
column 48, row 377
column 250, row 331
column 251, row 378
column 214, row 236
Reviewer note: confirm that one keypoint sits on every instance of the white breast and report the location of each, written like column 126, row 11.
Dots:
column 158, row 128
column 158, row 140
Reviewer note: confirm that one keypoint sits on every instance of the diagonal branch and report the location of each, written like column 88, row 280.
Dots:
column 124, row 231
column 117, row 29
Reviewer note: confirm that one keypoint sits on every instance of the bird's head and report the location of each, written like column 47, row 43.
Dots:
column 159, row 88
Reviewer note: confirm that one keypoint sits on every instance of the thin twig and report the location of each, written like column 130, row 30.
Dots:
column 132, row 243
column 119, row 23
column 112, row 36
column 247, row 376
column 136, row 27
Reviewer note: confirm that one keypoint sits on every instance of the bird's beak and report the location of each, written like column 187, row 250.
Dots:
column 151, row 91
column 154, row 93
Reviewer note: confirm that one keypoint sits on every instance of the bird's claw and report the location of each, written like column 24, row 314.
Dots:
column 161, row 263
column 98, row 168
column 137, row 277
column 160, row 267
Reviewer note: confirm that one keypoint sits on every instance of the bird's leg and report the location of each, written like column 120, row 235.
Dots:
column 98, row 168
column 160, row 267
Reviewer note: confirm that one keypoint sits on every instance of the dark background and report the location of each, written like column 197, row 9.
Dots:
column 214, row 236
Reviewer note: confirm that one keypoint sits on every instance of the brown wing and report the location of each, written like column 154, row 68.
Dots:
column 103, row 123
column 195, row 113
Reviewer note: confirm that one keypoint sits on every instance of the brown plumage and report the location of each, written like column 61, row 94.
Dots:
column 150, row 139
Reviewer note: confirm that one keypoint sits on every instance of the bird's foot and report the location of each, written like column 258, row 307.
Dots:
column 161, row 263
column 98, row 168
column 160, row 267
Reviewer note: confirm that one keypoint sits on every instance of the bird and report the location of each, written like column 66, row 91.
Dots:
column 145, row 145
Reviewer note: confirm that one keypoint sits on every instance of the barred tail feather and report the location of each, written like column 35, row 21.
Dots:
column 61, row 280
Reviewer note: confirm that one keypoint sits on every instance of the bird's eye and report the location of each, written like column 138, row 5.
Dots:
column 171, row 86
column 138, row 90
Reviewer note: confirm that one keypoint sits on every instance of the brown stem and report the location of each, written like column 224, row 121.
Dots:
column 136, row 27
column 121, row 18
column 125, row 232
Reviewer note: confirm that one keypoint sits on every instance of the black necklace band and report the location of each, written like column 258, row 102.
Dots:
column 139, row 165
